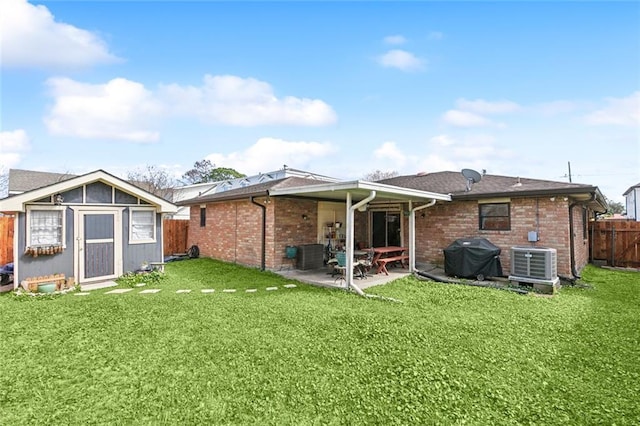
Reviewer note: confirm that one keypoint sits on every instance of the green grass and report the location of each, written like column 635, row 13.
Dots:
column 446, row 355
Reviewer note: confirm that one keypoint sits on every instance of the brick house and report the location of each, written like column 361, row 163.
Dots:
column 253, row 225
column 504, row 210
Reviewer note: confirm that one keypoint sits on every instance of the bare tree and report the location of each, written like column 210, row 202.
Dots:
column 154, row 180
column 4, row 182
column 379, row 175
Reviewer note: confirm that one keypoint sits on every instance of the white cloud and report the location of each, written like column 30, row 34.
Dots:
column 32, row 38
column 237, row 101
column 13, row 144
column 617, row 111
column 126, row 110
column 476, row 147
column 269, row 154
column 442, row 140
column 481, row 106
column 389, row 151
column 118, row 109
column 395, row 39
column 459, row 118
column 471, row 113
column 402, row 60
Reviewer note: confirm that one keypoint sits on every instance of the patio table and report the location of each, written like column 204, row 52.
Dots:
column 384, row 255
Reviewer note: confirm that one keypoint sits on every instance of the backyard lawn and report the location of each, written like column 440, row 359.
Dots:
column 447, row 354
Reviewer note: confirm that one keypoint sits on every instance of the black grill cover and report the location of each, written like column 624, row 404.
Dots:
column 472, row 257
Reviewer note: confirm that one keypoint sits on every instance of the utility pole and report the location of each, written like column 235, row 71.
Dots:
column 569, row 164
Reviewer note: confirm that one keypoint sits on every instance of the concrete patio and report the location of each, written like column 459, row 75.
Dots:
column 322, row 277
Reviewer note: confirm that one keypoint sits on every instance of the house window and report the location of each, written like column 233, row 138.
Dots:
column 495, row 217
column 203, row 217
column 45, row 226
column 143, row 226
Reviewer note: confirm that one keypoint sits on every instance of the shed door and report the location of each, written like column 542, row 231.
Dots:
column 98, row 237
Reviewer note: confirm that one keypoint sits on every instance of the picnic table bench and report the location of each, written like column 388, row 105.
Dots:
column 386, row 255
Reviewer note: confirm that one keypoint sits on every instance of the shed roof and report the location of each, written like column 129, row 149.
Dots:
column 18, row 202
column 631, row 188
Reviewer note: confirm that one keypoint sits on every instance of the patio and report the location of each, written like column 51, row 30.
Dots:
column 322, row 277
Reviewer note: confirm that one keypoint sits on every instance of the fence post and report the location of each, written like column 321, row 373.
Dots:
column 613, row 246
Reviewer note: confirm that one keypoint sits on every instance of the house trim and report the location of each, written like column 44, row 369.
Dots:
column 17, row 203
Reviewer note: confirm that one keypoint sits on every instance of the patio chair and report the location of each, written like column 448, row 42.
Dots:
column 360, row 267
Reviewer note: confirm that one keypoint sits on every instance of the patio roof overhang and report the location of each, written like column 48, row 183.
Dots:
column 359, row 190
column 355, row 195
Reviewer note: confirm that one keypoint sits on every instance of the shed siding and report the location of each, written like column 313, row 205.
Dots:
column 134, row 255
column 61, row 263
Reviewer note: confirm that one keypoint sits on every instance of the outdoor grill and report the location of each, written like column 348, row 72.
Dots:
column 472, row 258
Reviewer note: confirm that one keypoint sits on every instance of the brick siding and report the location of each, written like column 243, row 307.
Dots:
column 233, row 230
column 446, row 222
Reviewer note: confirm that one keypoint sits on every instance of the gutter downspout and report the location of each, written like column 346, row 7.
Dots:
column 572, row 250
column 350, row 237
column 264, row 232
column 412, row 232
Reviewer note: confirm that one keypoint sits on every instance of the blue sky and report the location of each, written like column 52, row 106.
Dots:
column 338, row 88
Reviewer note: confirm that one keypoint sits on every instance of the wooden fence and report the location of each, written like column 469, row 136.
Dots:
column 175, row 236
column 6, row 239
column 616, row 241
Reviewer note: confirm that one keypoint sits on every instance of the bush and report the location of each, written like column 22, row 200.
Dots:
column 132, row 279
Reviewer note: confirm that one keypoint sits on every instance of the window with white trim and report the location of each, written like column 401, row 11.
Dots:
column 142, row 228
column 45, row 226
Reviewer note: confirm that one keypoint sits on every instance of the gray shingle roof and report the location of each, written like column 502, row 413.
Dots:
column 27, row 180
column 259, row 189
column 490, row 186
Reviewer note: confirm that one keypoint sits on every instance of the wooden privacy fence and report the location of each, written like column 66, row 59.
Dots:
column 616, row 241
column 6, row 239
column 175, row 236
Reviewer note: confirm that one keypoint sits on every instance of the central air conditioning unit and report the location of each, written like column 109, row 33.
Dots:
column 535, row 265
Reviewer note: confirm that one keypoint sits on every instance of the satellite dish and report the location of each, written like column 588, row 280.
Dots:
column 472, row 177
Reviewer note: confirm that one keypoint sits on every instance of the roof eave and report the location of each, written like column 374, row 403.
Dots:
column 17, row 203
column 590, row 194
column 360, row 185
column 223, row 197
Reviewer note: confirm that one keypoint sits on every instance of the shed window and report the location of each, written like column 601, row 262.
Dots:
column 45, row 226
column 203, row 216
column 495, row 217
column 143, row 226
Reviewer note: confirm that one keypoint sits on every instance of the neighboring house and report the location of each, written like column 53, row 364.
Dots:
column 632, row 198
column 412, row 211
column 91, row 227
column 25, row 180
column 187, row 192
